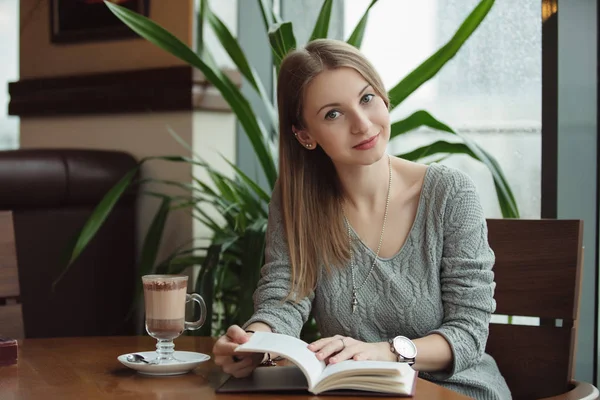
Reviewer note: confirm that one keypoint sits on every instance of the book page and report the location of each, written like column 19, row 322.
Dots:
column 289, row 347
column 381, row 368
column 380, row 376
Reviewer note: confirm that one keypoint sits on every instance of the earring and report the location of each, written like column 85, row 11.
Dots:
column 308, row 145
column 296, row 134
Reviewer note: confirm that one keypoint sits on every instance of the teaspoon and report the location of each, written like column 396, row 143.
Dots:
column 136, row 358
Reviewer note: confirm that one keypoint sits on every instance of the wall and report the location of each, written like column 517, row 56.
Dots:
column 41, row 58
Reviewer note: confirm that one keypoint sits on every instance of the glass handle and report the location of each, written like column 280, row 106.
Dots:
column 192, row 326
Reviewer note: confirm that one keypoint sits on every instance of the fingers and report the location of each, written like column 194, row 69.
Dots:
column 224, row 347
column 360, row 351
column 319, row 344
column 237, row 334
column 238, row 369
column 353, row 352
column 340, row 348
column 244, row 367
column 328, row 346
column 226, row 344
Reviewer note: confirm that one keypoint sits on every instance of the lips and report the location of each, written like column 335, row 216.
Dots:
column 365, row 142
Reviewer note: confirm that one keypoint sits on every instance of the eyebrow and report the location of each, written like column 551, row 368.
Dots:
column 337, row 104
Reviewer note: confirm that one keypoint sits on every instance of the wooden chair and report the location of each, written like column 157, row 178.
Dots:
column 11, row 319
column 538, row 273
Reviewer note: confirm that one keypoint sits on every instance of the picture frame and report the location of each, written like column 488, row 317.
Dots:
column 76, row 21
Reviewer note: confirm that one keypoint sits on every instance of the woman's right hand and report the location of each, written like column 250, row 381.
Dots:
column 244, row 363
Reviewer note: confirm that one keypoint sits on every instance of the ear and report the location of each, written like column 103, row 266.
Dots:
column 304, row 138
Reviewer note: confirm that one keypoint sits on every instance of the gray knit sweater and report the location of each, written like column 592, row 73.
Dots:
column 440, row 281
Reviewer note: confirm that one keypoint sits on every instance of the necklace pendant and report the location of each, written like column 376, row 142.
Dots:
column 354, row 302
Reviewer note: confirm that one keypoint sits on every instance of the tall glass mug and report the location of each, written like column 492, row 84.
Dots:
column 165, row 297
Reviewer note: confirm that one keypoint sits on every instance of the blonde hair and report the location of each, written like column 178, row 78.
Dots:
column 311, row 194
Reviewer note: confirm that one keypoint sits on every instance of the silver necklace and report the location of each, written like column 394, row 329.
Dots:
column 355, row 289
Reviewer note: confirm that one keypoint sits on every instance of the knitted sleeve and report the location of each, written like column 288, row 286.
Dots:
column 285, row 317
column 466, row 276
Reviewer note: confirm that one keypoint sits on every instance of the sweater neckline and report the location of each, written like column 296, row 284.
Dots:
column 418, row 215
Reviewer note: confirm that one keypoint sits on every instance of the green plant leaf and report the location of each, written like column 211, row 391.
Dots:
column 235, row 52
column 238, row 192
column 150, row 249
column 506, row 200
column 232, row 191
column 253, row 243
column 282, row 40
column 239, row 104
column 251, row 184
column 163, row 266
column 208, row 220
column 229, row 189
column 205, row 188
column 205, row 285
column 226, row 240
column 97, row 218
column 440, row 146
column 231, row 46
column 433, row 64
column 153, row 237
column 181, row 185
column 179, row 264
column 322, row 25
column 183, row 143
column 507, row 203
column 200, row 18
column 358, row 33
column 223, row 185
column 416, row 120
column 270, row 18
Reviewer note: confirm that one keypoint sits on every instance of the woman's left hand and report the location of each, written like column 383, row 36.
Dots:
column 340, row 348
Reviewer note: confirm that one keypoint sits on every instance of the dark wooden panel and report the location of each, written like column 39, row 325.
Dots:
column 177, row 88
column 549, row 108
column 536, row 266
column 9, row 276
column 533, row 360
column 11, row 319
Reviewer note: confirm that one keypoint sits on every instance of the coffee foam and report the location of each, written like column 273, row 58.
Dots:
column 160, row 284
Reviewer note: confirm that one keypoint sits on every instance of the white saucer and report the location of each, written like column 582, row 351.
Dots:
column 188, row 360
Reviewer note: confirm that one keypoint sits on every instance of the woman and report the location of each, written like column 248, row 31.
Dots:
column 391, row 256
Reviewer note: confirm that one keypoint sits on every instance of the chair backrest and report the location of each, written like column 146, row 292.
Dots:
column 11, row 319
column 537, row 273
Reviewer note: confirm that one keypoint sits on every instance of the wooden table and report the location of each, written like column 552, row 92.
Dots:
column 87, row 368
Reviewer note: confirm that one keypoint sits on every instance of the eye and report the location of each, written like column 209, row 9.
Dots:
column 331, row 115
column 367, row 98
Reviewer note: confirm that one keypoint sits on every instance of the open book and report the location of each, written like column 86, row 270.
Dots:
column 315, row 376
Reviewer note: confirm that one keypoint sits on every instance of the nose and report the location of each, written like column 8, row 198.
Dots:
column 360, row 122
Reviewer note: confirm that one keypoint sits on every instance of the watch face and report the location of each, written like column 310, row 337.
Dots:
column 405, row 347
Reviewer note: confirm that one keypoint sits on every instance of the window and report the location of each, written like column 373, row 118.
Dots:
column 9, row 70
column 490, row 91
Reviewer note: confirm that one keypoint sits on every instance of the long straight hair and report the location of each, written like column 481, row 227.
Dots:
column 311, row 193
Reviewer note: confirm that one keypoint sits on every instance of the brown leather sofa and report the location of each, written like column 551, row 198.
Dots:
column 51, row 193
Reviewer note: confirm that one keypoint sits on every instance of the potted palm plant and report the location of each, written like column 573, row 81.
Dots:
column 230, row 265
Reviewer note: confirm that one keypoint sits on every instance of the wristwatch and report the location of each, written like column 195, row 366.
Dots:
column 404, row 349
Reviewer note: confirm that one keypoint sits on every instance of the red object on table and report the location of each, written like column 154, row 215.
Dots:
column 8, row 351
